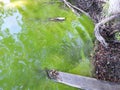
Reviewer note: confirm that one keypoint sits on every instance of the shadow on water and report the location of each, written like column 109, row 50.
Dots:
column 30, row 42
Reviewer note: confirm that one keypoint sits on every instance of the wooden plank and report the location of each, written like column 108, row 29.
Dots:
column 82, row 82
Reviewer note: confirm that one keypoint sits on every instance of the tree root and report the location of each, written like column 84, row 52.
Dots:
column 97, row 26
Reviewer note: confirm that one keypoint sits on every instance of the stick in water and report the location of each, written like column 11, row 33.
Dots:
column 81, row 82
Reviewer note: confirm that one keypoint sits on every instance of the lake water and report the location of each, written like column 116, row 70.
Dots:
column 30, row 42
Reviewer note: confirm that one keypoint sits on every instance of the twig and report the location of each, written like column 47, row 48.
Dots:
column 83, row 82
column 68, row 4
column 72, row 7
column 97, row 26
column 82, row 11
column 113, row 32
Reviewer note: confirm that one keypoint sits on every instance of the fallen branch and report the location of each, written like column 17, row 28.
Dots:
column 82, row 82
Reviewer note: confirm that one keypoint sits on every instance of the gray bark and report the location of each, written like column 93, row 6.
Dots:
column 82, row 82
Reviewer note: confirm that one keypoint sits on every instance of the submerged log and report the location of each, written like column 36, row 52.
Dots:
column 81, row 82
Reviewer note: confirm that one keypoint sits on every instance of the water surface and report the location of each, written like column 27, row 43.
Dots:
column 30, row 42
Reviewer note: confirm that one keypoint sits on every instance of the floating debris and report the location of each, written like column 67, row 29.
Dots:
column 57, row 19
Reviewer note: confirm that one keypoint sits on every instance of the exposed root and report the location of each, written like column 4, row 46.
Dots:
column 97, row 26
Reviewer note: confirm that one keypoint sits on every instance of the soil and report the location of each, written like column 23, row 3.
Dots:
column 107, row 60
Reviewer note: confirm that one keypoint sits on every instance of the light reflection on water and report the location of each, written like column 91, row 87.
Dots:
column 12, row 23
column 5, row 1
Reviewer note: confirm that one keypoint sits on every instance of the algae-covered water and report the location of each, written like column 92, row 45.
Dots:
column 32, row 41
